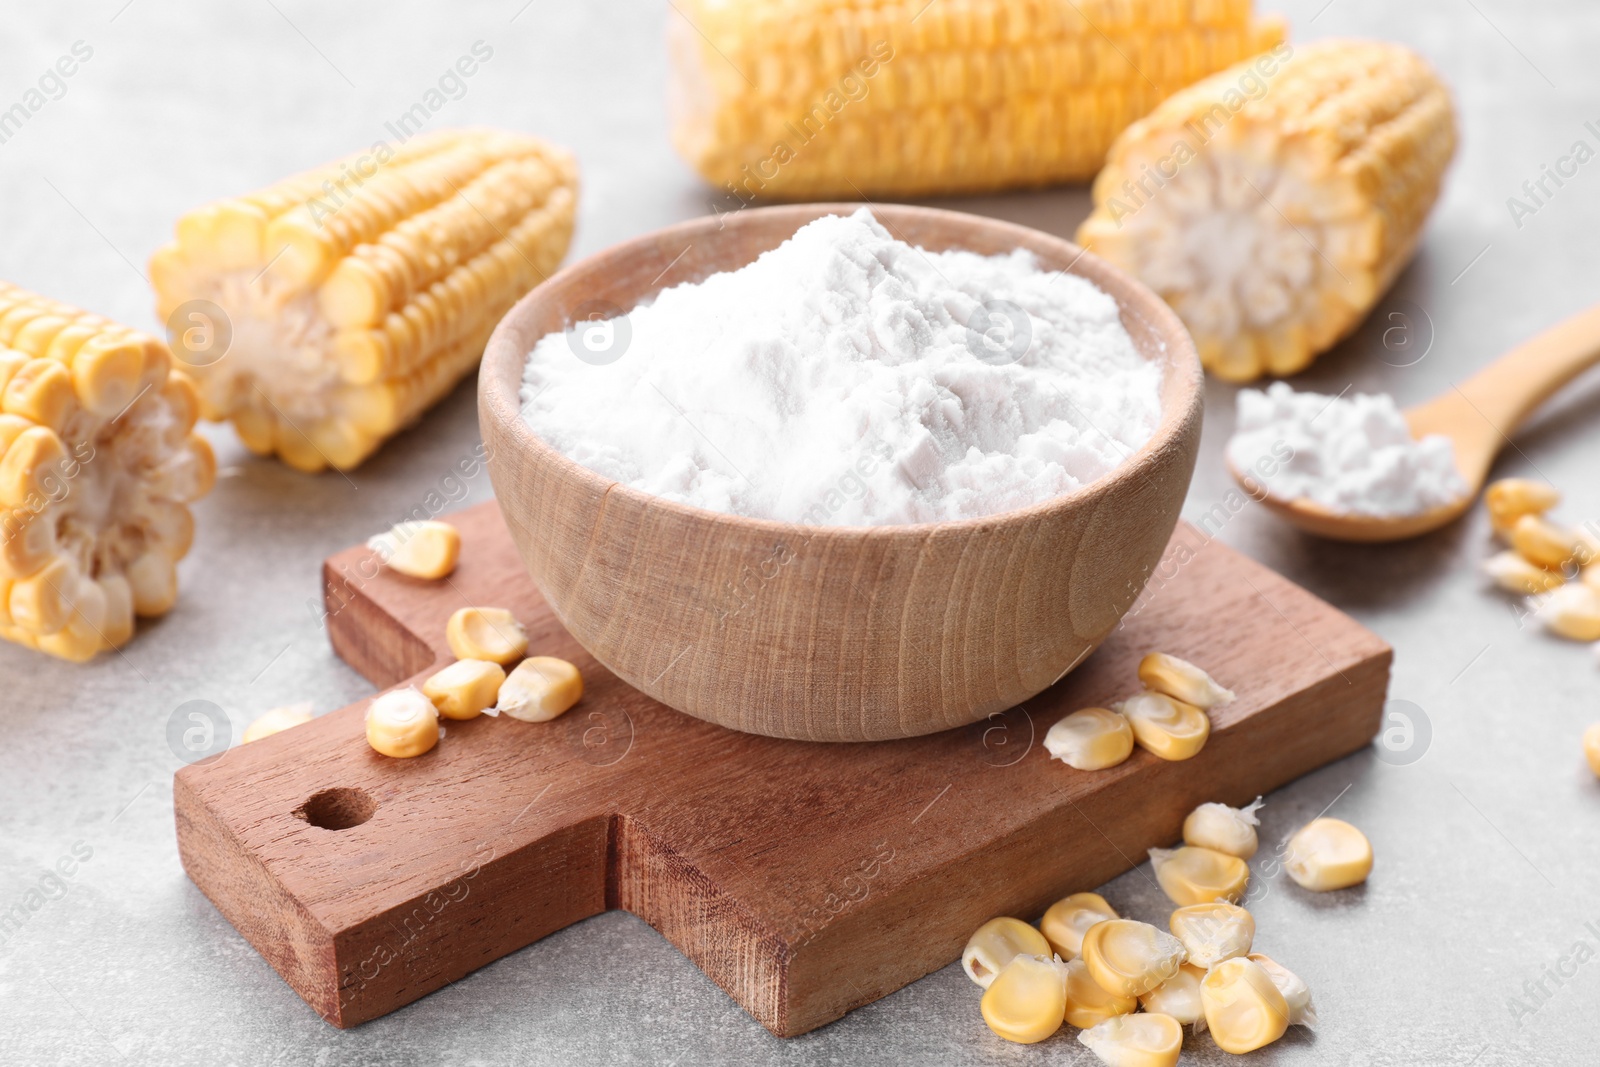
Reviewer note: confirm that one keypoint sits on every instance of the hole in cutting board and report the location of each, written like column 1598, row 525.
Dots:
column 337, row 809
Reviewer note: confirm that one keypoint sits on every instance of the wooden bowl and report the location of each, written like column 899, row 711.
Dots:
column 831, row 633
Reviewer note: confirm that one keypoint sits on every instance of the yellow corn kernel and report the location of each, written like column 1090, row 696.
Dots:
column 1296, row 994
column 118, row 627
column 1166, row 727
column 1572, row 611
column 43, row 602
column 276, row 721
column 1027, row 1000
column 1224, row 829
column 1244, row 1010
column 34, row 463
column 1512, row 572
column 1126, row 957
column 1327, row 854
column 428, row 549
column 539, row 689
column 153, row 577
column 1087, row 1003
column 995, row 943
column 402, row 723
column 1591, row 748
column 1182, row 680
column 1190, row 875
column 107, row 371
column 1543, row 542
column 77, row 641
column 1145, row 1040
column 1213, row 932
column 1591, row 576
column 406, row 256
column 41, row 392
column 493, row 634
column 1090, row 740
column 1509, row 499
column 1178, row 996
column 1070, row 918
column 466, row 688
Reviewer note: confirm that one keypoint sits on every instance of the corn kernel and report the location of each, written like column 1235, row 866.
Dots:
column 1327, row 854
column 1090, row 740
column 995, row 944
column 1182, row 680
column 1146, row 1040
column 1027, row 1000
column 402, row 723
column 493, row 634
column 1166, row 727
column 1070, row 918
column 427, row 549
column 1511, row 572
column 1191, row 875
column 1126, row 957
column 1087, row 1003
column 539, row 689
column 1244, row 1009
column 1509, row 499
column 1591, row 748
column 1296, row 994
column 466, row 688
column 1178, row 996
column 276, row 721
column 1591, row 576
column 1572, row 611
column 1213, row 932
column 1224, row 829
column 1547, row 544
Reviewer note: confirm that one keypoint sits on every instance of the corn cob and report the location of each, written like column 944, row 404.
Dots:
column 1272, row 204
column 99, row 465
column 358, row 294
column 813, row 98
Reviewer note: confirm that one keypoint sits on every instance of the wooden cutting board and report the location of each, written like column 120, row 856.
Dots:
column 806, row 879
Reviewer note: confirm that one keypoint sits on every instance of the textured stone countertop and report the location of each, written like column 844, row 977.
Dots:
column 1488, row 844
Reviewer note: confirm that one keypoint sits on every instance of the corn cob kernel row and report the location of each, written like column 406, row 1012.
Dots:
column 1273, row 203
column 811, row 98
column 359, row 293
column 98, row 463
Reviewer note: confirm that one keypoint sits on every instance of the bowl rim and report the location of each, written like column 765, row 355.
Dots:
column 501, row 373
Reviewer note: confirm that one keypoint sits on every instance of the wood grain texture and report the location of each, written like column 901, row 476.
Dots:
column 804, row 878
column 830, row 633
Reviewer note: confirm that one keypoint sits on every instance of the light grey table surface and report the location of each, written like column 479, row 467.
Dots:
column 1487, row 845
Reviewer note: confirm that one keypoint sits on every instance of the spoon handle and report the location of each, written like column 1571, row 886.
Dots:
column 1511, row 388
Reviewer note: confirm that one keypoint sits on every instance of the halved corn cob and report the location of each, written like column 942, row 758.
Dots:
column 810, row 98
column 99, row 463
column 1273, row 203
column 358, row 294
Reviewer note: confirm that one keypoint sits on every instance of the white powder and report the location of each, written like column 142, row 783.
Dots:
column 1355, row 456
column 836, row 381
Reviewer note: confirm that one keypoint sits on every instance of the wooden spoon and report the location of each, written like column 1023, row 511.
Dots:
column 1479, row 416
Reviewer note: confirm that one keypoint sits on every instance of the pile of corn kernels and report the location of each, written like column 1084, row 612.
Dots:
column 1085, row 966
column 485, row 641
column 1557, row 568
